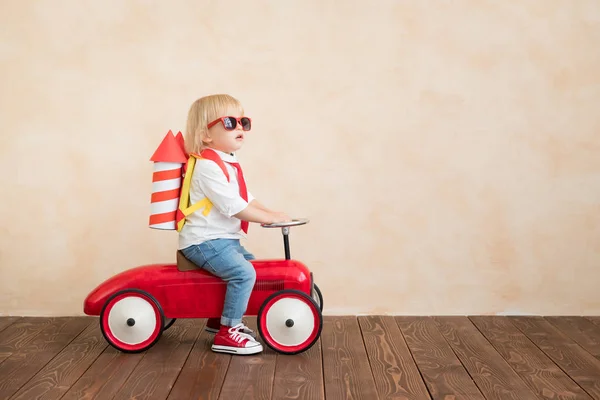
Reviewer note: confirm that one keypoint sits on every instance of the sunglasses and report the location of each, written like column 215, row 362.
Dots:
column 230, row 123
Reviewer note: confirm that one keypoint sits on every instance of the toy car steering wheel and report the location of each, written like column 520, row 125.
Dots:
column 285, row 230
column 294, row 222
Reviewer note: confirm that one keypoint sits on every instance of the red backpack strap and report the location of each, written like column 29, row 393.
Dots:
column 211, row 155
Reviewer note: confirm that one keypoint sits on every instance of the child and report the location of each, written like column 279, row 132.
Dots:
column 217, row 127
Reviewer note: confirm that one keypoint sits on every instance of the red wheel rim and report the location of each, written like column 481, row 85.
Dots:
column 111, row 321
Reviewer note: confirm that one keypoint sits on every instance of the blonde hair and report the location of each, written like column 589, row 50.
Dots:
column 203, row 111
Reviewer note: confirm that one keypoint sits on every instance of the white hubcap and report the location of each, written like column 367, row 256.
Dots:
column 290, row 309
column 136, row 310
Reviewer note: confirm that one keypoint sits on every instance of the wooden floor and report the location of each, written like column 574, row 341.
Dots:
column 371, row 357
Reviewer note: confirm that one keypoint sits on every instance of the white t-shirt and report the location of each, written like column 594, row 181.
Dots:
column 208, row 180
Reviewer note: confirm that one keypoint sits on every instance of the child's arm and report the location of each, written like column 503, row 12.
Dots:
column 260, row 206
column 279, row 216
column 274, row 215
column 253, row 213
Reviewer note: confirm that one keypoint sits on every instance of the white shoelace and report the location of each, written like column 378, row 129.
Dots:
column 237, row 335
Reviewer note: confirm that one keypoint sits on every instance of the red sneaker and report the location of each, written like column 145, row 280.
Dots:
column 231, row 340
column 214, row 324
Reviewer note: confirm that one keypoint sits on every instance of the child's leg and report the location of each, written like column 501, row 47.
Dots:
column 214, row 324
column 247, row 255
column 240, row 276
column 222, row 258
column 206, row 255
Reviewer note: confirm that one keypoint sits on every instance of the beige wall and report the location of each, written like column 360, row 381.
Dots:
column 447, row 153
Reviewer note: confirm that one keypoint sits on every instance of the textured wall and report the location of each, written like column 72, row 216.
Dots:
column 447, row 153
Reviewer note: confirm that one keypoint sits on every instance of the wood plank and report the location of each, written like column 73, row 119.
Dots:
column 594, row 320
column 581, row 330
column 394, row 370
column 20, row 333
column 27, row 361
column 300, row 376
column 65, row 369
column 345, row 363
column 156, row 373
column 526, row 359
column 203, row 373
column 444, row 375
column 580, row 365
column 105, row 377
column 492, row 374
column 251, row 376
column 5, row 322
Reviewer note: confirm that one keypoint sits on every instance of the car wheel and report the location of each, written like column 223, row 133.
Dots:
column 316, row 294
column 169, row 323
column 290, row 321
column 132, row 321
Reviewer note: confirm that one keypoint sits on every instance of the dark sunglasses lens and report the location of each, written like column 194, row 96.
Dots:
column 229, row 123
column 246, row 125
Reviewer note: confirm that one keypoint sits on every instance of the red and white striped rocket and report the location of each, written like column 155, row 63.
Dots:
column 169, row 160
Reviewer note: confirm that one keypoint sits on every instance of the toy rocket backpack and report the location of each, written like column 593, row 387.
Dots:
column 170, row 201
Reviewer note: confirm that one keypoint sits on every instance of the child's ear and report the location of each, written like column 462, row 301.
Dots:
column 205, row 137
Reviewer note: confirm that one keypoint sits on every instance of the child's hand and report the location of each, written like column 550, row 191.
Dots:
column 279, row 217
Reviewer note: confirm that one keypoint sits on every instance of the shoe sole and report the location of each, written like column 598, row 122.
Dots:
column 237, row 350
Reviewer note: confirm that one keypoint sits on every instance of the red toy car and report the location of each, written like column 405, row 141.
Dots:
column 137, row 305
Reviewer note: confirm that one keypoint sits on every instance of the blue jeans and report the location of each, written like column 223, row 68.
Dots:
column 229, row 260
